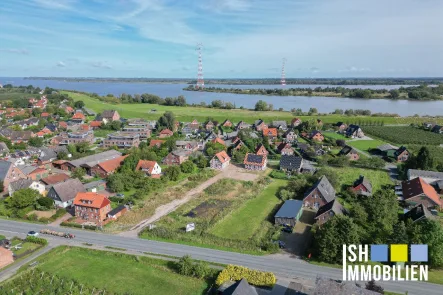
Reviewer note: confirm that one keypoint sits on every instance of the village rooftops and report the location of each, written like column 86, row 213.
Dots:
column 254, row 159
column 418, row 186
column 222, row 157
column 325, row 188
column 413, row 173
column 93, row 160
column 53, row 179
column 386, row 147
column 291, row 162
column 333, row 206
column 68, row 189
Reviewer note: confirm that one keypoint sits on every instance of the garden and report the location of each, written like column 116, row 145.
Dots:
column 242, row 207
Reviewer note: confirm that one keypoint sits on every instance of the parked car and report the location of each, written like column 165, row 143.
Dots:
column 281, row 244
column 120, row 196
column 32, row 233
column 287, row 229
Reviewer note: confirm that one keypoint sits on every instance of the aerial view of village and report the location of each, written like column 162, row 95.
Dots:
column 280, row 179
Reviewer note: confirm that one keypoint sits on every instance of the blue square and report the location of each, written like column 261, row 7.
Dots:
column 419, row 253
column 379, row 253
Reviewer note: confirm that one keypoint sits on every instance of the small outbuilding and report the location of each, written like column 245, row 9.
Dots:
column 289, row 213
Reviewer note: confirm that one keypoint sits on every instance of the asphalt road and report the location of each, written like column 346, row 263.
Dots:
column 280, row 265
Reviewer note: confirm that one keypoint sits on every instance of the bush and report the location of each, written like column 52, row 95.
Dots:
column 36, row 240
column 32, row 217
column 254, row 277
column 58, row 213
column 76, row 225
column 187, row 267
column 45, row 202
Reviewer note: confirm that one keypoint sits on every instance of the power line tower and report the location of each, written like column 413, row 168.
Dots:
column 200, row 81
column 283, row 74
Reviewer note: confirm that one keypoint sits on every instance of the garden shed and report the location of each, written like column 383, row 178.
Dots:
column 289, row 213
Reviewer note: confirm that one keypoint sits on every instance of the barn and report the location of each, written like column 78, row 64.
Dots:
column 289, row 213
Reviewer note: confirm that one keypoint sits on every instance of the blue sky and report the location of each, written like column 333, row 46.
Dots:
column 242, row 38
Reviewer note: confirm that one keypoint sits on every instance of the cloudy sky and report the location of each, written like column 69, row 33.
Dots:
column 241, row 38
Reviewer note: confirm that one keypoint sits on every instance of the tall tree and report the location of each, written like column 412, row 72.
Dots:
column 424, row 159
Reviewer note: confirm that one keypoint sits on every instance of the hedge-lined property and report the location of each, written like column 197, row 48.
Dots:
column 254, row 277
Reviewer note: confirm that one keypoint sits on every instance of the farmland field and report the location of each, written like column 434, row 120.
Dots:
column 365, row 145
column 246, row 221
column 140, row 275
column 405, row 135
column 187, row 114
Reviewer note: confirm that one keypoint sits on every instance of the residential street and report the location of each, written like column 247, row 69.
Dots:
column 282, row 266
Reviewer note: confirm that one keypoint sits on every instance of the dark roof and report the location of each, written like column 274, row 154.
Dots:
column 96, row 159
column 363, row 180
column 346, row 150
column 290, row 209
column 399, row 151
column 116, row 210
column 314, row 133
column 47, row 154
column 51, row 127
column 325, row 188
column 333, row 206
column 338, row 124
column 436, row 128
column 20, row 135
column 417, row 213
column 413, row 173
column 68, row 189
column 253, row 158
column 4, row 168
column 290, row 161
column 108, row 113
column 258, row 122
column 351, row 129
column 20, row 184
column 303, row 146
column 240, row 288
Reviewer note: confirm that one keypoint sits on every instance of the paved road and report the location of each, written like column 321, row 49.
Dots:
column 280, row 265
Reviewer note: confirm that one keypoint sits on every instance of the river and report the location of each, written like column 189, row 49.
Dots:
column 323, row 104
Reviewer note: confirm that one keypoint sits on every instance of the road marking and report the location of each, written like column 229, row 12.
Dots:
column 8, row 231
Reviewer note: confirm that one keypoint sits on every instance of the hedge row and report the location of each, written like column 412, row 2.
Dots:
column 254, row 277
column 76, row 225
column 36, row 240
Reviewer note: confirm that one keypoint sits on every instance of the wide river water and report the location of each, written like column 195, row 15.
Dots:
column 323, row 104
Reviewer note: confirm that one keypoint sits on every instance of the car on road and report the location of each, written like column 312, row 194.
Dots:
column 32, row 233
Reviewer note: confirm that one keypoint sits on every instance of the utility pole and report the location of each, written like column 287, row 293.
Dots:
column 283, row 74
column 200, row 81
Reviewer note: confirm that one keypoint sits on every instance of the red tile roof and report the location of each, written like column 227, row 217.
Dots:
column 56, row 178
column 113, row 164
column 78, row 116
column 63, row 124
column 218, row 140
column 166, row 132
column 45, row 114
column 91, row 200
column 156, row 142
column 84, row 127
column 222, row 157
column 418, row 186
column 270, row 131
column 144, row 164
column 95, row 123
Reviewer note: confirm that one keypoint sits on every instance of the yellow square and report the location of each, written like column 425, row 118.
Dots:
column 399, row 253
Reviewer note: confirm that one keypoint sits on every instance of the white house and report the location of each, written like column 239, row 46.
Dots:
column 220, row 161
column 25, row 183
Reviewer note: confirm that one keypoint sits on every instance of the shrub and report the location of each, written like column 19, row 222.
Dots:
column 187, row 267
column 254, row 277
column 45, row 202
column 36, row 240
column 33, row 217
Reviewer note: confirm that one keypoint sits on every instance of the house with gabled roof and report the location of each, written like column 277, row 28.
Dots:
column 78, row 118
column 9, row 173
column 316, row 135
column 328, row 211
column 399, row 155
column 362, row 186
column 285, row 148
column 110, row 115
column 209, row 125
column 63, row 193
column 150, row 168
column 156, row 142
column 295, row 122
column 259, row 125
column 242, row 125
column 281, row 125
column 291, row 163
column 261, row 150
column 349, row 152
column 227, row 123
column 354, row 131
column 417, row 213
column 241, row 287
column 255, row 162
column 431, row 177
column 417, row 191
column 220, row 161
column 177, row 157
column 54, row 179
column 218, row 140
column 437, row 129
column 24, row 184
column 165, row 133
column 89, row 161
column 289, row 213
column 91, row 206
column 290, row 136
column 270, row 133
column 340, row 127
column 321, row 193
column 106, row 168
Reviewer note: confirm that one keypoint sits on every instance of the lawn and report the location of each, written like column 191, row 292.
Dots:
column 135, row 275
column 187, row 114
column 243, row 223
column 348, row 175
column 25, row 247
column 334, row 135
column 365, row 145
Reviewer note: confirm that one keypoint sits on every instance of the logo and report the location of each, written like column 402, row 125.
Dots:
column 394, row 262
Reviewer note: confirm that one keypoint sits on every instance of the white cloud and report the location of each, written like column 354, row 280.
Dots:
column 56, row 4
column 15, row 50
column 61, row 64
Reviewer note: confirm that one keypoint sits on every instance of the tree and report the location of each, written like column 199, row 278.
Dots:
column 115, row 125
column 46, row 202
column 424, row 160
column 213, row 148
column 167, row 121
column 261, row 106
column 428, row 232
column 78, row 173
column 400, row 234
column 394, row 93
column 36, row 112
column 340, row 142
column 62, row 155
column 2, row 186
column 312, row 111
column 185, row 265
column 201, row 161
column 23, row 198
column 36, row 141
column 79, row 104
column 115, row 182
column 371, row 285
column 187, row 167
column 82, row 147
column 172, row 173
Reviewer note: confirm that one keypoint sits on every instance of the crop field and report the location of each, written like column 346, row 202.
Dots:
column 15, row 95
column 405, row 135
column 187, row 114
column 96, row 270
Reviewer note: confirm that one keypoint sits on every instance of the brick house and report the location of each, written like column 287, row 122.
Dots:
column 227, row 123
column 156, row 142
column 115, row 213
column 285, row 149
column 417, row 191
column 195, row 125
column 328, row 211
column 350, row 153
column 362, row 186
column 316, row 135
column 271, row 133
column 290, row 136
column 110, row 115
column 176, row 157
column 255, row 162
column 261, row 150
column 87, row 162
column 320, row 194
column 95, row 124
column 209, row 125
column 242, row 125
column 165, row 133
column 78, row 118
column 218, row 140
column 340, row 127
column 9, row 173
column 220, row 161
column 291, row 163
column 259, row 125
column 106, row 168
column 54, row 179
column 92, row 207
column 122, row 140
column 150, row 168
column 34, row 172
column 401, row 155
column 295, row 122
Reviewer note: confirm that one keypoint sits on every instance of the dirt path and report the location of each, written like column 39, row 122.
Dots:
column 230, row 172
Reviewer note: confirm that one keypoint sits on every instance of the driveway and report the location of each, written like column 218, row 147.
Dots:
column 230, row 172
column 299, row 240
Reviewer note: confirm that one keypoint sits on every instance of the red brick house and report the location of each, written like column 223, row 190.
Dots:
column 106, row 168
column 295, row 122
column 271, row 133
column 261, row 150
column 156, row 142
column 255, row 162
column 9, row 173
column 417, row 191
column 320, row 194
column 285, row 149
column 194, row 124
column 237, row 143
column 78, row 117
column 290, row 136
column 165, row 133
column 218, row 140
column 220, row 160
column 63, row 125
column 150, row 168
column 362, row 186
column 227, row 123
column 316, row 135
column 401, row 155
column 328, row 211
column 260, row 125
column 110, row 115
column 350, row 153
column 176, row 157
column 91, row 207
column 209, row 125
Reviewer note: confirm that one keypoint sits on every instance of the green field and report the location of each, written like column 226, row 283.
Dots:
column 365, row 145
column 246, row 221
column 334, row 135
column 348, row 175
column 120, row 273
column 16, row 95
column 405, row 135
column 187, row 114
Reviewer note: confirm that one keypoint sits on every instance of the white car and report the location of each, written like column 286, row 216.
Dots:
column 32, row 233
